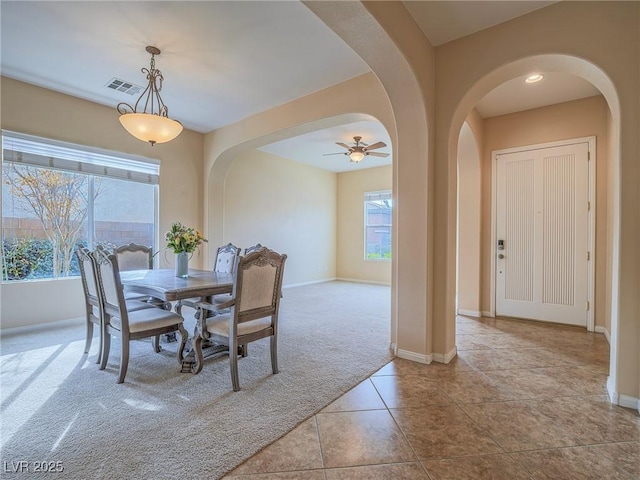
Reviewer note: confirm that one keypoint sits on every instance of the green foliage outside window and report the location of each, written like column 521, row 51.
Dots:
column 29, row 258
column 378, row 256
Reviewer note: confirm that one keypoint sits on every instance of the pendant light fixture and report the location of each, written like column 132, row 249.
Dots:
column 151, row 123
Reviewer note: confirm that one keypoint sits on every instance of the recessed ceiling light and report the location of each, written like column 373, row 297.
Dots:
column 536, row 77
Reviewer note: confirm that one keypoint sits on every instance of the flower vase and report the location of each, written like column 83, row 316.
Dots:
column 182, row 265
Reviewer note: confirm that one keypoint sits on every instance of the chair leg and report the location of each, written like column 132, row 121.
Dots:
column 233, row 362
column 156, row 344
column 106, row 346
column 197, row 348
column 99, row 356
column 184, row 335
column 274, row 353
column 87, row 343
column 124, row 359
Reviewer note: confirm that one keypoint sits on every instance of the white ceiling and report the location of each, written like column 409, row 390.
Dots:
column 224, row 61
column 443, row 21
column 313, row 147
column 517, row 96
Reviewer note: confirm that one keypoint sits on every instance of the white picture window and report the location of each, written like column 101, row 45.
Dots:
column 377, row 225
column 56, row 196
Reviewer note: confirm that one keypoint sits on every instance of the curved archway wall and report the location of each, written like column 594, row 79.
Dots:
column 389, row 41
column 323, row 109
column 606, row 53
column 410, row 152
column 469, row 217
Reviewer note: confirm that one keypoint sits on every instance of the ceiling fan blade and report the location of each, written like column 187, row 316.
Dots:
column 376, row 145
column 376, row 154
column 343, row 145
column 337, row 153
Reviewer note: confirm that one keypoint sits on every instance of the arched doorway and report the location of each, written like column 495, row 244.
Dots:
column 403, row 111
column 597, row 77
column 288, row 195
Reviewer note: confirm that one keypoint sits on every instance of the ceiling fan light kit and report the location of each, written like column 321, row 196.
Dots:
column 151, row 124
column 360, row 150
column 356, row 157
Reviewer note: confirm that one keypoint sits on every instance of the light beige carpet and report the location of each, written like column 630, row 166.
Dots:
column 161, row 424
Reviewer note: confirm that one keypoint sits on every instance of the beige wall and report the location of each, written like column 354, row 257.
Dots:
column 580, row 118
column 37, row 111
column 287, row 206
column 350, row 255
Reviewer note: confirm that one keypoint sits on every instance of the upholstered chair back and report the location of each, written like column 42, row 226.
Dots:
column 258, row 284
column 134, row 257
column 226, row 258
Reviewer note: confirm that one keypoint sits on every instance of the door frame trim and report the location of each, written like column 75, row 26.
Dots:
column 591, row 267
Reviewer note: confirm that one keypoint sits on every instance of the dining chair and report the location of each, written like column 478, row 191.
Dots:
column 225, row 262
column 253, row 310
column 91, row 298
column 86, row 263
column 129, row 325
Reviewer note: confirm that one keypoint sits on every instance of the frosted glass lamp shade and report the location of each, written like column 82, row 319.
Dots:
column 151, row 128
column 356, row 156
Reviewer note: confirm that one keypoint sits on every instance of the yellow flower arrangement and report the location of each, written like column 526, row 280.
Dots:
column 183, row 239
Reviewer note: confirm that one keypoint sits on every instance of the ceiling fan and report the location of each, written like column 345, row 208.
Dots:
column 360, row 150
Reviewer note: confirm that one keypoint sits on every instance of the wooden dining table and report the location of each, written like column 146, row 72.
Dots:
column 163, row 284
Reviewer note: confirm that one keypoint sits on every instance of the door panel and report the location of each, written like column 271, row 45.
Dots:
column 519, row 218
column 542, row 220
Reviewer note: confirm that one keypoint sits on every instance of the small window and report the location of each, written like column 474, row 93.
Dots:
column 56, row 196
column 377, row 225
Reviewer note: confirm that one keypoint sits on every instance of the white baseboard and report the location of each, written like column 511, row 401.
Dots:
column 42, row 326
column 613, row 395
column 488, row 314
column 445, row 358
column 333, row 279
column 470, row 313
column 414, row 357
column 313, row 282
column 626, row 401
column 357, row 280
column 630, row 402
column 600, row 329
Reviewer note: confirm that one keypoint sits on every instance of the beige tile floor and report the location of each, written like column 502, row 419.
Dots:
column 523, row 400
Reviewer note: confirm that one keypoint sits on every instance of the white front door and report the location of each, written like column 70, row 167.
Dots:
column 542, row 231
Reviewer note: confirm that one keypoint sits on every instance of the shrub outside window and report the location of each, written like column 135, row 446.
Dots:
column 377, row 225
column 56, row 196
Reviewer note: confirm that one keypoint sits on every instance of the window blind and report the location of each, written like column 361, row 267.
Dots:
column 377, row 196
column 40, row 152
